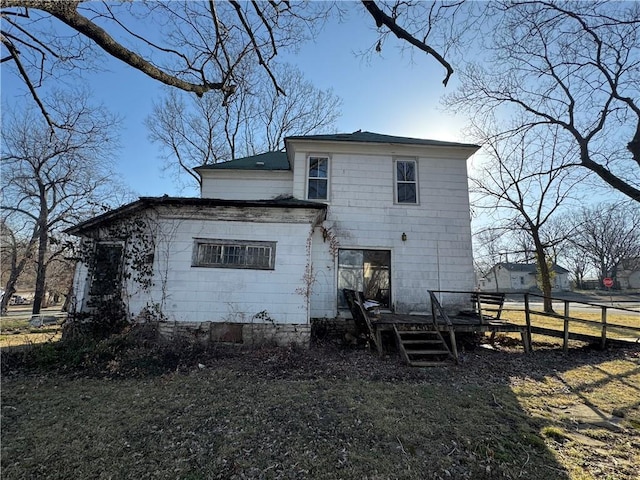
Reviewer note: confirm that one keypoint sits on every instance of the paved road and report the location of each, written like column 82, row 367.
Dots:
column 25, row 311
column 623, row 300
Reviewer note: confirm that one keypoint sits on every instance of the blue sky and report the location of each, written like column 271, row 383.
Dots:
column 385, row 93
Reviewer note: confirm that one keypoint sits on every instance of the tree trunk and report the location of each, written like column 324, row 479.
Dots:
column 15, row 272
column 614, row 275
column 544, row 272
column 43, row 240
column 9, row 290
column 545, row 280
column 41, row 272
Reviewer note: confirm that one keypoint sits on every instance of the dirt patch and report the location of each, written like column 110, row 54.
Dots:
column 588, row 416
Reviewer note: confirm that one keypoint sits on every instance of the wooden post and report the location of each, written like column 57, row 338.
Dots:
column 527, row 317
column 603, row 340
column 565, row 343
column 434, row 319
column 454, row 348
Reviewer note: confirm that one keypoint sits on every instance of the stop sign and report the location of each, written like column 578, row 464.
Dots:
column 607, row 282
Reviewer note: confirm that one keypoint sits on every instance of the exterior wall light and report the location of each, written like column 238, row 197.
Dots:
column 404, row 237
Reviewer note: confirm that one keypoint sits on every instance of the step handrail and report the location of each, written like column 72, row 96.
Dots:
column 435, row 306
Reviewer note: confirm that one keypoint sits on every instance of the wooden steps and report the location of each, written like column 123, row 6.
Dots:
column 422, row 348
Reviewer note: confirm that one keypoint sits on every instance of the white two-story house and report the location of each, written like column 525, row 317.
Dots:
column 274, row 238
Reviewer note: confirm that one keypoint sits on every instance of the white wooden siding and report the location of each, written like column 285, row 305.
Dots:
column 362, row 213
column 246, row 184
column 323, row 295
column 225, row 294
column 80, row 285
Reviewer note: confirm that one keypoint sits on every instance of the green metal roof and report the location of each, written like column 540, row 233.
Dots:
column 370, row 137
column 264, row 161
column 275, row 161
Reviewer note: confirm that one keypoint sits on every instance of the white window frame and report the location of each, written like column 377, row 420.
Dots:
column 321, row 156
column 232, row 254
column 397, row 182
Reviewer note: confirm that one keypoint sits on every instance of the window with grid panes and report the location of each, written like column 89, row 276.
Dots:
column 318, row 178
column 234, row 254
column 406, row 181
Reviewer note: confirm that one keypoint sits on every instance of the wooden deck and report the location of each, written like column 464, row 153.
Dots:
column 460, row 323
column 426, row 340
column 466, row 323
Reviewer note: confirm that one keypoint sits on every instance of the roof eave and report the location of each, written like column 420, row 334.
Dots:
column 148, row 202
column 472, row 148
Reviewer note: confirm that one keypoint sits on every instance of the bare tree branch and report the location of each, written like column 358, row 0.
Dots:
column 67, row 13
column 195, row 132
column 583, row 80
column 15, row 55
column 382, row 19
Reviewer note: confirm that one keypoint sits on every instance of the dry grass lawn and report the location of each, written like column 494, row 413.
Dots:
column 15, row 331
column 613, row 318
column 326, row 412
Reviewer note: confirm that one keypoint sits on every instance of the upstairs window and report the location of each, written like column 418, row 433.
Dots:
column 234, row 254
column 406, row 181
column 318, row 178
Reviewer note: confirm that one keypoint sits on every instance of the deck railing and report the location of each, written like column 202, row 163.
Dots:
column 603, row 324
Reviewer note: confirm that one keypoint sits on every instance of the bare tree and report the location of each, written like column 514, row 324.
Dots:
column 607, row 235
column 523, row 185
column 196, row 131
column 197, row 46
column 52, row 179
column 61, row 261
column 572, row 68
column 577, row 264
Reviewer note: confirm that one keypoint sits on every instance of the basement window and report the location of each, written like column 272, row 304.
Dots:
column 248, row 254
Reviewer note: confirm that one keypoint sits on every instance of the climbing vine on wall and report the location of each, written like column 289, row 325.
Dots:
column 308, row 278
column 329, row 235
column 117, row 257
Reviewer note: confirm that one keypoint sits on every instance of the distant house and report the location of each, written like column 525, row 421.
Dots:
column 518, row 277
column 628, row 276
column 274, row 238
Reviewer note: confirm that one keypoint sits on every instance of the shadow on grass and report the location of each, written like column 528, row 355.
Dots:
column 289, row 413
